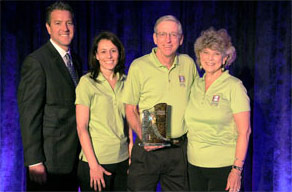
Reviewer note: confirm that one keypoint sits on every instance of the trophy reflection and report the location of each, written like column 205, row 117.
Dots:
column 154, row 124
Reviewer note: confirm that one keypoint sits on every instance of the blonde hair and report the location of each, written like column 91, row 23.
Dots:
column 215, row 40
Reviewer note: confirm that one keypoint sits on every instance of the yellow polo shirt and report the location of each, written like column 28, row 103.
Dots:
column 212, row 132
column 149, row 83
column 107, row 118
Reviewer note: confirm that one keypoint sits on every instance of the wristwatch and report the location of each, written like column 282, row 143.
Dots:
column 237, row 168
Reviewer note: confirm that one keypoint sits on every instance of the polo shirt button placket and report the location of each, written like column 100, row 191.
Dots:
column 168, row 76
column 203, row 98
column 114, row 100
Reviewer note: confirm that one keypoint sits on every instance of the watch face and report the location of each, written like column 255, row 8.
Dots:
column 236, row 167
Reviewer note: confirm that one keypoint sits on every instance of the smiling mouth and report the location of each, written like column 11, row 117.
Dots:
column 210, row 64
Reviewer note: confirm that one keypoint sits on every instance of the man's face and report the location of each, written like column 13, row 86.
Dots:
column 61, row 28
column 167, row 38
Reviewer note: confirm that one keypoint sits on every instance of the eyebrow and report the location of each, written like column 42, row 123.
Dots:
column 109, row 49
column 63, row 20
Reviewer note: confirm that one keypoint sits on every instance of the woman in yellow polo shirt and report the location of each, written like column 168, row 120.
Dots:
column 100, row 116
column 217, row 118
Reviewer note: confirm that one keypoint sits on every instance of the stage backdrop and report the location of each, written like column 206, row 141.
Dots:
column 260, row 31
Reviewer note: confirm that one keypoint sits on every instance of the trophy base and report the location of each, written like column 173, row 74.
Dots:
column 154, row 144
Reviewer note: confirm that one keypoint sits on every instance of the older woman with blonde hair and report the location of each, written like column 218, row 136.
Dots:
column 217, row 118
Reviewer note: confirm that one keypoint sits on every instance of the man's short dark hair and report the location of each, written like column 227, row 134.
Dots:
column 59, row 5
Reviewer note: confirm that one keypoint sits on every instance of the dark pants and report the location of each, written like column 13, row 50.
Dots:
column 208, row 179
column 167, row 166
column 55, row 182
column 117, row 181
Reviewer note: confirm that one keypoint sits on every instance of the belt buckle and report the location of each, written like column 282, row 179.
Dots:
column 175, row 141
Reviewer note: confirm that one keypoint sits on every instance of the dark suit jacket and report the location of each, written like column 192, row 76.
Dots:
column 46, row 97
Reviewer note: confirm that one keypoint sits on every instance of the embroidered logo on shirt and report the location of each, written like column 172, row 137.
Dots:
column 181, row 80
column 215, row 100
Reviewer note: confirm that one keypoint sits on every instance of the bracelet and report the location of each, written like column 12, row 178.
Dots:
column 237, row 168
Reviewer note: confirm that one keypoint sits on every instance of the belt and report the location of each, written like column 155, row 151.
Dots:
column 178, row 140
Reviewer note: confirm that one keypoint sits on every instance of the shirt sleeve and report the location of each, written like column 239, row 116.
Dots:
column 239, row 98
column 131, row 94
column 83, row 92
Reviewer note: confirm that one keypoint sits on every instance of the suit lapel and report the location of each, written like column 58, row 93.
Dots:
column 60, row 65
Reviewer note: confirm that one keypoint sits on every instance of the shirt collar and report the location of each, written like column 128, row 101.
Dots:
column 157, row 62
column 222, row 77
column 61, row 51
column 100, row 77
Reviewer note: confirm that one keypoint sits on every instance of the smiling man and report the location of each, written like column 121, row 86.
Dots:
column 163, row 76
column 46, row 97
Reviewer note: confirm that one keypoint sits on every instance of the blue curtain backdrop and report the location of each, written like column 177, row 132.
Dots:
column 260, row 31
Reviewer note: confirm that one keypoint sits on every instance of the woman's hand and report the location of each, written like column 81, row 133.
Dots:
column 234, row 181
column 96, row 177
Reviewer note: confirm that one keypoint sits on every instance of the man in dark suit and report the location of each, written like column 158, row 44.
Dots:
column 46, row 97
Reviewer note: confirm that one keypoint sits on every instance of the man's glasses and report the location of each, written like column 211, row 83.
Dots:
column 163, row 35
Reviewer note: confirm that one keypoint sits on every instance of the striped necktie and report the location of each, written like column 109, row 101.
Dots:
column 71, row 69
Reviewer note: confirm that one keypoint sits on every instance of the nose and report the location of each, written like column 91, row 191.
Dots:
column 65, row 27
column 168, row 37
column 211, row 57
column 109, row 55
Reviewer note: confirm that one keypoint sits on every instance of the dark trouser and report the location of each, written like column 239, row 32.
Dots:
column 117, row 181
column 55, row 182
column 208, row 179
column 167, row 165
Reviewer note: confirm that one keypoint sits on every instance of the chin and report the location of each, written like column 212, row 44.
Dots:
column 67, row 44
column 170, row 55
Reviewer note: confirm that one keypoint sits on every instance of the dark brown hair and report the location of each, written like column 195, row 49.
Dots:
column 59, row 5
column 94, row 63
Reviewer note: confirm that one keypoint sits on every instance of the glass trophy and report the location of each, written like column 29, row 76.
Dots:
column 154, row 124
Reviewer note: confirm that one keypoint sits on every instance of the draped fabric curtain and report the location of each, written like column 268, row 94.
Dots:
column 261, row 34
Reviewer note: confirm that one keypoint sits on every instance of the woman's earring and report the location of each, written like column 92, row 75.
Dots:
column 223, row 66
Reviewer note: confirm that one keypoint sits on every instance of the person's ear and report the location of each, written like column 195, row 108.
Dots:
column 181, row 40
column 155, row 38
column 48, row 28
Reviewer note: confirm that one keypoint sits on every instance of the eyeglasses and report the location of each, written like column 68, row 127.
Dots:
column 163, row 35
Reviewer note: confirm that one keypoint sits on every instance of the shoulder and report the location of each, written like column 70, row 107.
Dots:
column 35, row 59
column 233, row 80
column 140, row 64
column 141, row 60
column 86, row 78
column 185, row 58
column 85, row 83
column 234, row 84
column 186, row 61
column 44, row 53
